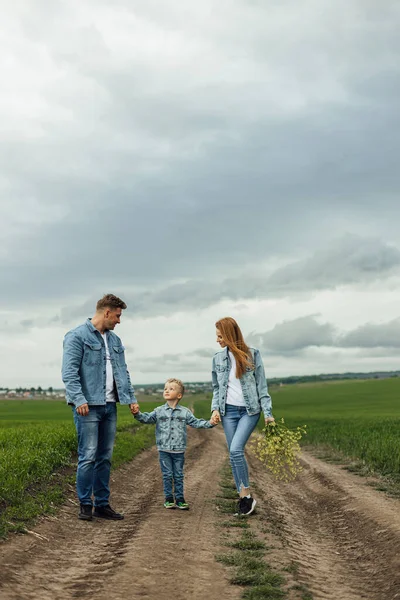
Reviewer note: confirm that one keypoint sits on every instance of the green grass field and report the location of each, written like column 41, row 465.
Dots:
column 359, row 419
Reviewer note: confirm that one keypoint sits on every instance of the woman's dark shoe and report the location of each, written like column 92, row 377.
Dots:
column 246, row 506
column 106, row 512
column 85, row 512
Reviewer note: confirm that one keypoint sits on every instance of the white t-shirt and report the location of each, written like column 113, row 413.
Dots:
column 110, row 396
column 234, row 393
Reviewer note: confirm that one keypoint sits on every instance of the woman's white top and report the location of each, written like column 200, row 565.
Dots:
column 234, row 393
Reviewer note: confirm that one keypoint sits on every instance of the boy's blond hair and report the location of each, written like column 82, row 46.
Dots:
column 178, row 382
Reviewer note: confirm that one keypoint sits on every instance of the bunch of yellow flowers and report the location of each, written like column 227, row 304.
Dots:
column 278, row 448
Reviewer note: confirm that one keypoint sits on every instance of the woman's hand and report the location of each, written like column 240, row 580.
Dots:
column 215, row 417
column 269, row 420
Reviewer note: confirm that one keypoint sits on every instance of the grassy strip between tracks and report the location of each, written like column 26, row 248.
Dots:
column 247, row 553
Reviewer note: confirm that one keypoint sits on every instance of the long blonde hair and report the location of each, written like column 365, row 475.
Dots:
column 233, row 338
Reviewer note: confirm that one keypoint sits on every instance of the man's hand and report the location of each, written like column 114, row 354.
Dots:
column 83, row 410
column 215, row 417
column 269, row 420
column 134, row 408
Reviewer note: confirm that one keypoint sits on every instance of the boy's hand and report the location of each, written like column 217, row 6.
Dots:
column 134, row 408
column 215, row 418
column 269, row 420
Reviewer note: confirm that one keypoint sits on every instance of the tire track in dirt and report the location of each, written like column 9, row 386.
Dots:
column 152, row 553
column 344, row 536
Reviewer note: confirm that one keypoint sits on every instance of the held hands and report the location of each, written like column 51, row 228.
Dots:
column 215, row 417
column 83, row 409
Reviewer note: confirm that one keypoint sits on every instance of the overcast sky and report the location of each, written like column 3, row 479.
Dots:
column 201, row 160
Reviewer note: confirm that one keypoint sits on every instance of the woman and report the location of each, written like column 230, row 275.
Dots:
column 240, row 394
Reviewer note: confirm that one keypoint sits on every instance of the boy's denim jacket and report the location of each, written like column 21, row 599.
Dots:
column 171, row 426
column 253, row 382
column 84, row 367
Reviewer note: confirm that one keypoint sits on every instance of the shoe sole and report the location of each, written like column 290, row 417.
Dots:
column 85, row 518
column 169, row 507
column 183, row 507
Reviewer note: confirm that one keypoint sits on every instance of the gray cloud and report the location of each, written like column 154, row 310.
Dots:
column 197, row 361
column 373, row 335
column 27, row 323
column 291, row 337
column 349, row 260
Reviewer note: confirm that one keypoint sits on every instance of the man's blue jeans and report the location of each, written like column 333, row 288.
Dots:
column 238, row 427
column 96, row 435
column 171, row 464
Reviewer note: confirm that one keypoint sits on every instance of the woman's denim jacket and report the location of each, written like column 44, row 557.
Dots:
column 253, row 382
column 171, row 426
column 84, row 367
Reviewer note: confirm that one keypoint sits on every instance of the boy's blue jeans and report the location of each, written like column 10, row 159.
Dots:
column 96, row 435
column 238, row 427
column 171, row 464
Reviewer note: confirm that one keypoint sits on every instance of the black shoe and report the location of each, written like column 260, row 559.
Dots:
column 106, row 512
column 85, row 512
column 246, row 506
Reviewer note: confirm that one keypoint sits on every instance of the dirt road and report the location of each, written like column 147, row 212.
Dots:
column 342, row 536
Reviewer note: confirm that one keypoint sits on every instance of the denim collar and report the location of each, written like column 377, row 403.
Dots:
column 90, row 325
column 177, row 407
column 93, row 328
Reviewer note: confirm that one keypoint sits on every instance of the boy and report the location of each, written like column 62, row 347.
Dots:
column 171, row 421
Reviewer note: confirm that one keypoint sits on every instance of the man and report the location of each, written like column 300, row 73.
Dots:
column 95, row 375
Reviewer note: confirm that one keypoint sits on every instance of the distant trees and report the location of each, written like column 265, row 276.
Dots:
column 30, row 392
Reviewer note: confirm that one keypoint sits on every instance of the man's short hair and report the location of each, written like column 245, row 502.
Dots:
column 179, row 383
column 110, row 301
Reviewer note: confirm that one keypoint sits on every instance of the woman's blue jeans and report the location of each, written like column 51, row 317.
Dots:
column 96, row 435
column 238, row 427
column 171, row 464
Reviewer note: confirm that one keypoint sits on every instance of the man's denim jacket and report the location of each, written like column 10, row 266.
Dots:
column 84, row 367
column 171, row 426
column 253, row 382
